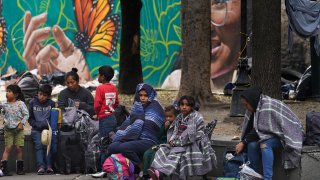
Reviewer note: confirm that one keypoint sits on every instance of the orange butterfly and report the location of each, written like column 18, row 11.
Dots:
column 97, row 29
column 3, row 31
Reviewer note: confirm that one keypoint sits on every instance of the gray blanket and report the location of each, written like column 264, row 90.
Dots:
column 273, row 118
column 194, row 155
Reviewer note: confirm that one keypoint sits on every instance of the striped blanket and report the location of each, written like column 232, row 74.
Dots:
column 194, row 156
column 273, row 118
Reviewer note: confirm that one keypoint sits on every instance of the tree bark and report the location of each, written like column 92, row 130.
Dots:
column 130, row 65
column 195, row 75
column 266, row 46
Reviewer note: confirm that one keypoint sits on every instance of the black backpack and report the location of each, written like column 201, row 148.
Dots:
column 312, row 129
column 231, row 167
column 121, row 114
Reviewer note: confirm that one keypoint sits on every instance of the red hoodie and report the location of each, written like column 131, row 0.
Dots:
column 106, row 100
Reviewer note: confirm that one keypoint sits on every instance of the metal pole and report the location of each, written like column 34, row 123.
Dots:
column 242, row 82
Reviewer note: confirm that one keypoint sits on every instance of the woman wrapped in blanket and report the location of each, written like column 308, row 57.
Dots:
column 269, row 124
column 140, row 130
column 189, row 151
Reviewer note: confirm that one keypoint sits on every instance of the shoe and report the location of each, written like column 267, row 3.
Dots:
column 50, row 170
column 40, row 171
column 4, row 166
column 154, row 174
column 99, row 174
column 20, row 167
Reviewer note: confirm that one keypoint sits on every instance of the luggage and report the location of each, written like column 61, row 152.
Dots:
column 312, row 128
column 92, row 162
column 54, row 119
column 70, row 153
column 121, row 114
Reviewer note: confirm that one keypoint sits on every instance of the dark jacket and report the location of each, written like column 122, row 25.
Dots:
column 84, row 95
column 40, row 113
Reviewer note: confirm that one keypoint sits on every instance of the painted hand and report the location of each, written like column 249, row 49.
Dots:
column 47, row 58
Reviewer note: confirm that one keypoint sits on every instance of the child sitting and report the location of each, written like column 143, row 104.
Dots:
column 189, row 151
column 171, row 113
column 39, row 109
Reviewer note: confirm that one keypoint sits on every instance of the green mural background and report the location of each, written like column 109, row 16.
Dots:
column 160, row 34
column 160, row 38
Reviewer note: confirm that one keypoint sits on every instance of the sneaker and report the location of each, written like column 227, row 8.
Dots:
column 50, row 170
column 41, row 171
column 99, row 174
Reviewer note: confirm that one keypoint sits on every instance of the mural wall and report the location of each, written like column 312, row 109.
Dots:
column 160, row 38
column 160, row 34
column 97, row 47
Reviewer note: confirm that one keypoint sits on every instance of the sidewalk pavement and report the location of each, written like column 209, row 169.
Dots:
column 34, row 176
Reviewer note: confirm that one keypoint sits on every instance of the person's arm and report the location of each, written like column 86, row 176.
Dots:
column 97, row 101
column 133, row 131
column 25, row 113
column 117, row 100
column 62, row 100
column 250, row 137
column 31, row 115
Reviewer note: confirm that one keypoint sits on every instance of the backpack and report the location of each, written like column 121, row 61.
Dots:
column 312, row 129
column 121, row 114
column 119, row 167
column 231, row 167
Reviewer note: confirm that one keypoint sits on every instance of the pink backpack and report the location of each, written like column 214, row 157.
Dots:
column 119, row 167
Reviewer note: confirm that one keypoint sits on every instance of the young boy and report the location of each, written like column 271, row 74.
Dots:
column 105, row 102
column 40, row 109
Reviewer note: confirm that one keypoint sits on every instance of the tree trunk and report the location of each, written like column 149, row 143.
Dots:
column 195, row 76
column 130, row 65
column 266, row 46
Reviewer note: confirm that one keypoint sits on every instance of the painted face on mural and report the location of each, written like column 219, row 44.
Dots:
column 225, row 36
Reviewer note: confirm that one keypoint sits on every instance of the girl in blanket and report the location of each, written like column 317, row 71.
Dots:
column 189, row 151
column 269, row 124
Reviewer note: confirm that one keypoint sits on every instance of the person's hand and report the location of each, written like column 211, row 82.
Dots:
column 171, row 143
column 167, row 124
column 46, row 58
column 239, row 147
column 77, row 103
column 20, row 127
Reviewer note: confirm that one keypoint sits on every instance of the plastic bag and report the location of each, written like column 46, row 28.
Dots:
column 247, row 173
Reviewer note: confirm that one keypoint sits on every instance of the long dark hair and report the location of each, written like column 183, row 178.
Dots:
column 16, row 90
column 190, row 101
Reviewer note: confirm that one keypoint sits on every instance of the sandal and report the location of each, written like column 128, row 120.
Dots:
column 50, row 170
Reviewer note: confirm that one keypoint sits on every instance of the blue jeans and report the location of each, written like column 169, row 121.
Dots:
column 42, row 159
column 107, row 124
column 264, row 150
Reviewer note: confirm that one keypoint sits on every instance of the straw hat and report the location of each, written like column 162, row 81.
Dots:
column 10, row 71
column 46, row 137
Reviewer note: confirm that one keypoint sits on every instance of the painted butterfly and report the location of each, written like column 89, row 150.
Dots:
column 97, row 29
